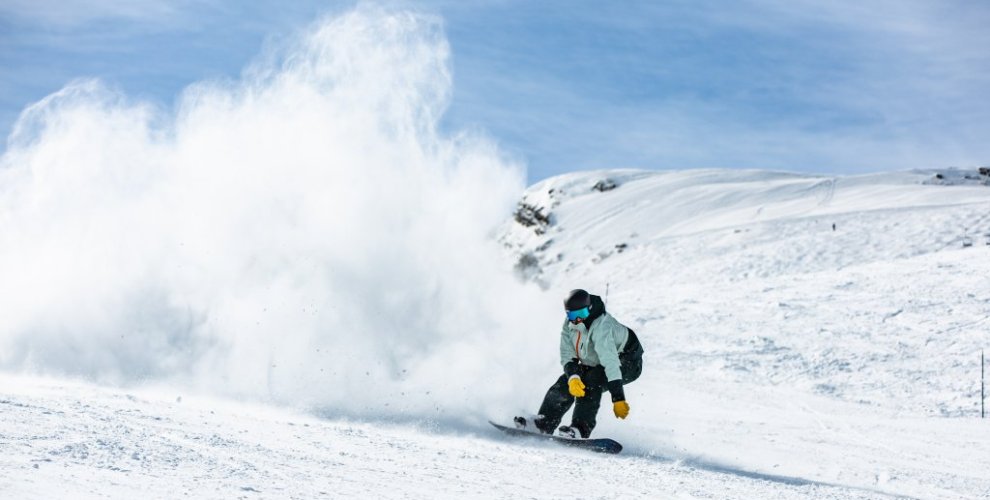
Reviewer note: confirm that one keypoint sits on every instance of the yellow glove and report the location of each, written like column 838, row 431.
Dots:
column 621, row 409
column 576, row 387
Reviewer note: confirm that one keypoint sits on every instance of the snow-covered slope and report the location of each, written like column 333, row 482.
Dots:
column 828, row 328
column 580, row 219
column 785, row 359
column 865, row 289
column 68, row 440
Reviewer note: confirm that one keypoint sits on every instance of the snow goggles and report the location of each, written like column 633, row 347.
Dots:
column 578, row 313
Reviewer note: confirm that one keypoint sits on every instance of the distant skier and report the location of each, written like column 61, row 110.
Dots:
column 597, row 352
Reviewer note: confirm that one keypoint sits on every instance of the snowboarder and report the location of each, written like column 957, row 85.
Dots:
column 597, row 352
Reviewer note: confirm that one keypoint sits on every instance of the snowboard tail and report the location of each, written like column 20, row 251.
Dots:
column 600, row 445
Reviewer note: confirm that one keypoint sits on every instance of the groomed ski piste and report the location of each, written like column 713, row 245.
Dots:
column 785, row 359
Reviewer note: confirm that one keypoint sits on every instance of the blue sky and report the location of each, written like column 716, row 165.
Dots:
column 800, row 85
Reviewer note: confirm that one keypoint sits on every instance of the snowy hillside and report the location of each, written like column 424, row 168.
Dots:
column 66, row 440
column 865, row 289
column 785, row 359
column 848, row 355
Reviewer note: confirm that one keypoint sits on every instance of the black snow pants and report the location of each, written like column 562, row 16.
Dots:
column 558, row 399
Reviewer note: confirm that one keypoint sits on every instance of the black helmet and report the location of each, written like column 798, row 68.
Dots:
column 577, row 299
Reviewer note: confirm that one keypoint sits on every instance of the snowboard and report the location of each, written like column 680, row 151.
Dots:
column 600, row 445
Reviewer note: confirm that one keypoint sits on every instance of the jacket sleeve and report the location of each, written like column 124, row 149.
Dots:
column 567, row 355
column 608, row 355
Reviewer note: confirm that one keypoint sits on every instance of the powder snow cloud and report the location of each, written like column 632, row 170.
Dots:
column 304, row 234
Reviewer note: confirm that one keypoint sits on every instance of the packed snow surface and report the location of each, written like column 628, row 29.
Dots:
column 71, row 441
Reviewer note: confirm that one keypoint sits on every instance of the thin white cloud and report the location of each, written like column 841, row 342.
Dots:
column 796, row 84
column 74, row 13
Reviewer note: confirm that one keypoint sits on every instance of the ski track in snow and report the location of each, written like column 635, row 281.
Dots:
column 784, row 359
column 73, row 440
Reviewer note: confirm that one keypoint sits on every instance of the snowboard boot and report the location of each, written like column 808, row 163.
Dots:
column 536, row 425
column 574, row 431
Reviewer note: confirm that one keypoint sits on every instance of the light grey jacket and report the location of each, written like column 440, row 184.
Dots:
column 600, row 346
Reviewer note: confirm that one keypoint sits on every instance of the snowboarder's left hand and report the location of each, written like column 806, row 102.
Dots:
column 621, row 409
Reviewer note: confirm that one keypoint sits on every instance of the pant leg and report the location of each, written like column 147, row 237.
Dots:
column 555, row 404
column 585, row 416
column 586, row 409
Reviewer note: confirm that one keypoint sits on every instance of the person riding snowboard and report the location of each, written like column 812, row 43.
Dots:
column 597, row 352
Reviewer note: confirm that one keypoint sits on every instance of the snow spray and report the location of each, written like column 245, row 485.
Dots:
column 305, row 235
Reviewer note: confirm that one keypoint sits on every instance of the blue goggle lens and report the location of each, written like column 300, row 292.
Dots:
column 580, row 313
